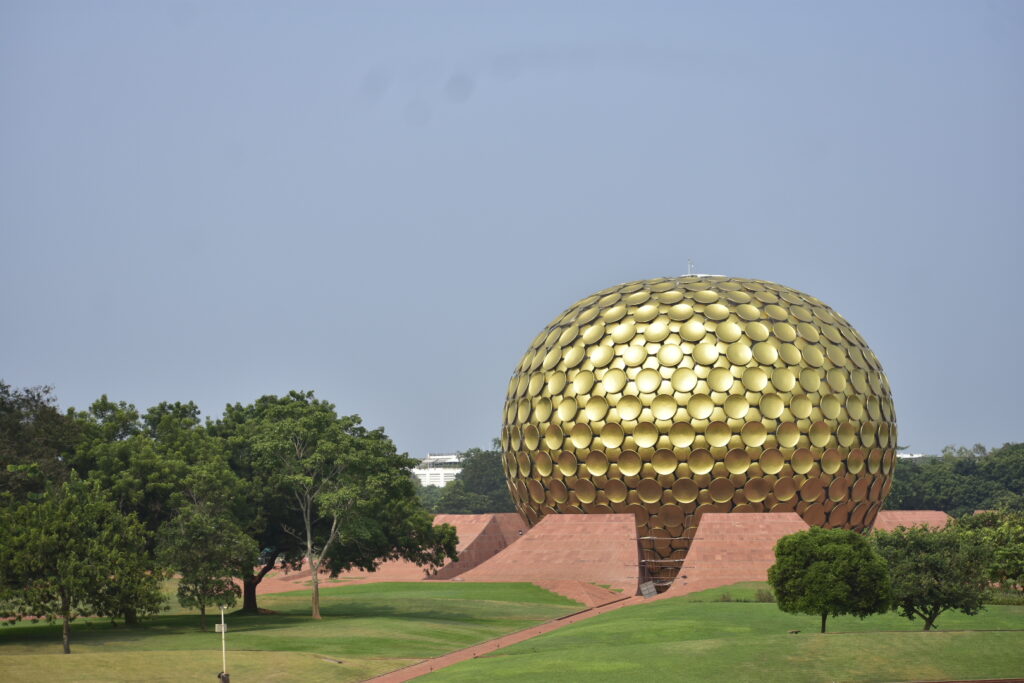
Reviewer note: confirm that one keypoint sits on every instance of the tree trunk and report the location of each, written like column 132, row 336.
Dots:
column 929, row 622
column 131, row 616
column 250, row 582
column 65, row 613
column 202, row 617
column 314, row 573
column 824, row 616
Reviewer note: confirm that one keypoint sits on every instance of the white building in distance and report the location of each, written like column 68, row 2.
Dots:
column 437, row 469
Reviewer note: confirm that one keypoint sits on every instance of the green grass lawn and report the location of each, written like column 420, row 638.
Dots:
column 699, row 638
column 368, row 628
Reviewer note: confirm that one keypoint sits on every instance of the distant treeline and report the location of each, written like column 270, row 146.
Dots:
column 961, row 480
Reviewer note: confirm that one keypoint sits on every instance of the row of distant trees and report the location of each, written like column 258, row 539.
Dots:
column 920, row 572
column 98, row 506
column 480, row 486
column 961, row 480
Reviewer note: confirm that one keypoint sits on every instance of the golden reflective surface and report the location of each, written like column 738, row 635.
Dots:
column 668, row 398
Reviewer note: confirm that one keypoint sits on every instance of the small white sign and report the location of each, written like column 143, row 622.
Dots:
column 220, row 628
column 647, row 589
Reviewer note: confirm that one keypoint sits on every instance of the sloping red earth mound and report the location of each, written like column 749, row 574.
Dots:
column 573, row 555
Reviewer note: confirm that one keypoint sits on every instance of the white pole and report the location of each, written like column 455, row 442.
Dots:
column 223, row 642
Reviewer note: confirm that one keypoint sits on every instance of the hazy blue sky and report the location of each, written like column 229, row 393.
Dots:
column 385, row 202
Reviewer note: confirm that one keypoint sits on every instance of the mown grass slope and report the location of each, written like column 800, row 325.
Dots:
column 699, row 638
column 366, row 630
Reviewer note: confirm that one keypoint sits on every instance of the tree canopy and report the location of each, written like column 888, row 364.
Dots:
column 72, row 552
column 349, row 490
column 934, row 570
column 829, row 572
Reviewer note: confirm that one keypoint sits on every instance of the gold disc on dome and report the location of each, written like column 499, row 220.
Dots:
column 681, row 434
column 582, row 383
column 614, row 380
column 681, row 312
column 771, row 461
column 783, row 380
column 699, row 461
column 567, row 409
column 542, row 463
column 630, row 463
column 802, row 461
column 664, row 462
column 645, row 435
column 718, row 434
column 757, row 332
column 553, row 437
column 728, row 331
column 669, row 355
column 738, row 353
column 616, row 491
column 772, row 406
column 597, row 463
column 784, row 488
column 648, row 380
column 705, row 354
column 801, row 406
column 765, row 353
column 748, row 312
column 634, row 355
column 692, row 331
column 756, row 489
column 716, row 312
column 580, row 435
column 629, row 407
column 664, row 407
column 649, row 490
column 754, row 379
column 736, row 407
column 685, row 490
column 754, row 434
column 612, row 435
column 596, row 408
column 721, row 490
column 720, row 379
column 684, row 380
column 820, row 434
column 737, row 461
column 700, row 406
column 831, row 461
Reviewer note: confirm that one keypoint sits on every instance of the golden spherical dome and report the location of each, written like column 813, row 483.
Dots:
column 671, row 397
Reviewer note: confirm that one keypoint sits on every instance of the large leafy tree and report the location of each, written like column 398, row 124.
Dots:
column 35, row 438
column 934, row 570
column 267, row 510
column 829, row 572
column 72, row 552
column 144, row 460
column 347, row 487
